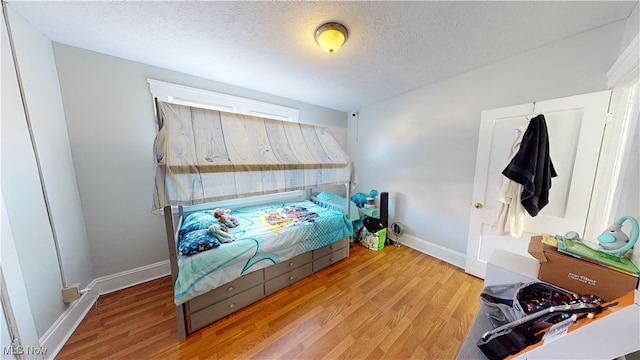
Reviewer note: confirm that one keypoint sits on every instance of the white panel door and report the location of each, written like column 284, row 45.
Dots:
column 575, row 126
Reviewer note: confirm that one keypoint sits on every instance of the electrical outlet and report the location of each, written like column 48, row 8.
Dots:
column 71, row 293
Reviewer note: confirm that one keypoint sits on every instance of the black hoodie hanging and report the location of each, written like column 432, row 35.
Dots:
column 532, row 166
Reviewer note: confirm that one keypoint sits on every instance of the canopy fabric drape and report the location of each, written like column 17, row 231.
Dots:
column 207, row 155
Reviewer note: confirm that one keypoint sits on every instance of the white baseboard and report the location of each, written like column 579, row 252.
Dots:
column 437, row 251
column 122, row 280
column 61, row 330
column 57, row 335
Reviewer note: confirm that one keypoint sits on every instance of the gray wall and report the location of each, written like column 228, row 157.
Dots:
column 109, row 113
column 21, row 186
column 421, row 146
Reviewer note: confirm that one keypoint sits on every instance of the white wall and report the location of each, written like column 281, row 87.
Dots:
column 630, row 187
column 44, row 101
column 15, row 285
column 631, row 28
column 111, row 125
column 21, row 186
column 421, row 146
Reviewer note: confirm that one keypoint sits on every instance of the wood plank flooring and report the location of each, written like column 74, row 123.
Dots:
column 394, row 304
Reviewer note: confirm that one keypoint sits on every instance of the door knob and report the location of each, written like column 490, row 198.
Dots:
column 477, row 205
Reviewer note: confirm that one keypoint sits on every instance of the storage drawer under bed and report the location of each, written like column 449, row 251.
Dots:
column 286, row 266
column 287, row 279
column 226, row 291
column 219, row 310
column 326, row 250
column 237, row 294
column 329, row 259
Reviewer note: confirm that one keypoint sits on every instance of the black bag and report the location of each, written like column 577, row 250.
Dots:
column 372, row 224
column 518, row 311
column 509, row 302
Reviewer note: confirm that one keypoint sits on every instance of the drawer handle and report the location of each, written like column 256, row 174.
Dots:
column 331, row 259
column 232, row 305
column 291, row 263
column 230, row 289
column 291, row 277
column 331, row 247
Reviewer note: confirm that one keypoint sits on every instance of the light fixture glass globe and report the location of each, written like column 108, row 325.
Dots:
column 331, row 36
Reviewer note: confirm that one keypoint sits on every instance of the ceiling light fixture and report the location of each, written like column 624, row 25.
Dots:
column 331, row 36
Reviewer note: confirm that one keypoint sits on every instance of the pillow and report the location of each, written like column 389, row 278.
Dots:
column 339, row 200
column 197, row 241
column 200, row 220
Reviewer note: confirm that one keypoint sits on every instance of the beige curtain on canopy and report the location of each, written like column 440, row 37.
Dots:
column 207, row 155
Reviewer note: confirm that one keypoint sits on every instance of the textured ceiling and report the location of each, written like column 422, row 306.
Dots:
column 393, row 47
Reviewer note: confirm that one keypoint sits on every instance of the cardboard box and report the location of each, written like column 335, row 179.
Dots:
column 578, row 275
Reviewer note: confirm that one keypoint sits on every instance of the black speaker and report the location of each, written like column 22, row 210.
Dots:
column 384, row 209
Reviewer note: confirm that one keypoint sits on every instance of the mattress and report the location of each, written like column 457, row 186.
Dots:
column 265, row 235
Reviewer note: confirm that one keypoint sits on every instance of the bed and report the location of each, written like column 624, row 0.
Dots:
column 270, row 246
column 208, row 158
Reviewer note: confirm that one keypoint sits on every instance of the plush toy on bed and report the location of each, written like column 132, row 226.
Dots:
column 360, row 199
column 222, row 235
column 225, row 218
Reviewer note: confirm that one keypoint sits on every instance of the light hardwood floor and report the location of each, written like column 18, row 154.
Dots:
column 394, row 304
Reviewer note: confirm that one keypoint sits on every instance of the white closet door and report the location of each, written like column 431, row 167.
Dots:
column 575, row 125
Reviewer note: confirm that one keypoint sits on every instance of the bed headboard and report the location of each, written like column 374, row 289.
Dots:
column 289, row 196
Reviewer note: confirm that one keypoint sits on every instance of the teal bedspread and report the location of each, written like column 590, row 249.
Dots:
column 265, row 235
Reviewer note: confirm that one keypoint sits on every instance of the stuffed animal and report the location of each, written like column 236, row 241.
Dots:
column 360, row 199
column 225, row 218
column 221, row 233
